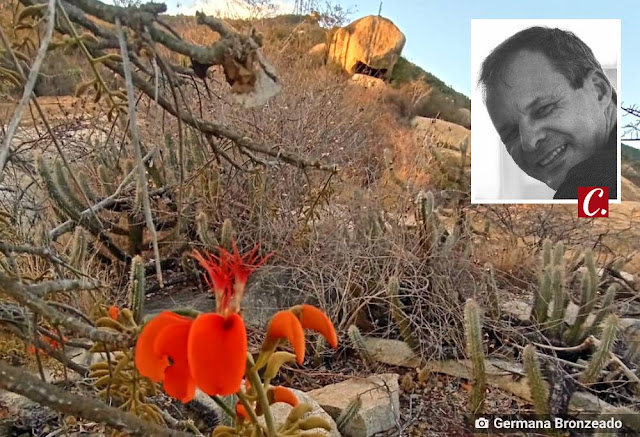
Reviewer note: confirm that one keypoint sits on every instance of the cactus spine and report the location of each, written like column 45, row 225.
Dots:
column 475, row 351
column 539, row 392
column 398, row 314
column 137, row 288
column 358, row 344
column 603, row 352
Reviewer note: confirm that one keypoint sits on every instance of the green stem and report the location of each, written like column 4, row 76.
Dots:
column 247, row 406
column 256, row 384
column 224, row 407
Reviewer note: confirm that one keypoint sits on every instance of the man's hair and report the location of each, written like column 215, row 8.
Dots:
column 568, row 54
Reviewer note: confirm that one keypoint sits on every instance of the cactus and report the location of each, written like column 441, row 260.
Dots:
column 348, row 413
column 539, row 392
column 558, row 255
column 106, row 180
column 54, row 190
column 588, row 289
column 603, row 352
column 63, row 184
column 542, row 297
column 202, row 228
column 399, row 316
column 492, row 287
column 137, row 288
column 227, row 234
column 605, row 308
column 86, row 188
column 559, row 301
column 358, row 344
column 78, row 248
column 475, row 351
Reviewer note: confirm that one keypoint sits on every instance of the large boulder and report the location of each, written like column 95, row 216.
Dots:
column 370, row 45
column 380, row 404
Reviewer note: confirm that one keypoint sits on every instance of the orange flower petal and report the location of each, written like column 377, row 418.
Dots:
column 241, row 412
column 148, row 363
column 284, row 324
column 172, row 342
column 217, row 351
column 315, row 319
column 114, row 312
column 283, row 394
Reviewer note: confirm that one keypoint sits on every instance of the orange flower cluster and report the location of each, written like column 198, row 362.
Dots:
column 210, row 351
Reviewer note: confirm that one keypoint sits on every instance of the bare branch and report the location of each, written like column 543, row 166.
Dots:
column 31, row 83
column 25, row 384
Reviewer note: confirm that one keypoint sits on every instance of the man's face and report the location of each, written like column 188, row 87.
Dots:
column 547, row 126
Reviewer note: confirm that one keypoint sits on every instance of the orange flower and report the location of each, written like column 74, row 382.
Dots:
column 282, row 394
column 114, row 312
column 315, row 319
column 284, row 324
column 241, row 411
column 209, row 352
column 161, row 354
column 217, row 350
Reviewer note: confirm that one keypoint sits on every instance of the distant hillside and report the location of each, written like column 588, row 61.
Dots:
column 406, row 71
column 630, row 153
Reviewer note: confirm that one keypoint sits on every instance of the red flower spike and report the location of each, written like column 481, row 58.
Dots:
column 148, row 362
column 114, row 312
column 243, row 266
column 172, row 342
column 282, row 394
column 217, row 353
column 315, row 319
column 284, row 324
column 218, row 275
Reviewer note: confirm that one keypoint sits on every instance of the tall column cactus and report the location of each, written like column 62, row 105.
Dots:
column 475, row 351
column 588, row 295
column 539, row 392
column 398, row 314
column 542, row 294
column 137, row 289
column 602, row 354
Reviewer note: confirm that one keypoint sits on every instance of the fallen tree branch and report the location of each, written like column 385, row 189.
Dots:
column 25, row 384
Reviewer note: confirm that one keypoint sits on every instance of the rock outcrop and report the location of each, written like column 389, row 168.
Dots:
column 370, row 45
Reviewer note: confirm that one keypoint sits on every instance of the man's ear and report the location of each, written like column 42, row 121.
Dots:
column 601, row 86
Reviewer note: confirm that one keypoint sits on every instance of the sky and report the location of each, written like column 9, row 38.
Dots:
column 438, row 32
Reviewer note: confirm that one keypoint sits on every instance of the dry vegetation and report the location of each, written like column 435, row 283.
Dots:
column 330, row 177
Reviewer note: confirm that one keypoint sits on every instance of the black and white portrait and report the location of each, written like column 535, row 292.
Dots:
column 546, row 108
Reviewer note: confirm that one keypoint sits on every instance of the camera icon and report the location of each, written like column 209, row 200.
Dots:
column 482, row 423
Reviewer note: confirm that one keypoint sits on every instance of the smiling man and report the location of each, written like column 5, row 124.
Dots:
column 554, row 109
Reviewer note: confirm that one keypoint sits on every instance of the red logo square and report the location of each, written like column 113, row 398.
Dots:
column 593, row 202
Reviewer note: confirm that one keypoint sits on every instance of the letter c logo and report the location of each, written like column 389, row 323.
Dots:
column 587, row 201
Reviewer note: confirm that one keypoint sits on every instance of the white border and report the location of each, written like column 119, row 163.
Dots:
column 560, row 23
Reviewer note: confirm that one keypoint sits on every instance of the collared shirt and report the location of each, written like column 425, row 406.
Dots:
column 600, row 170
